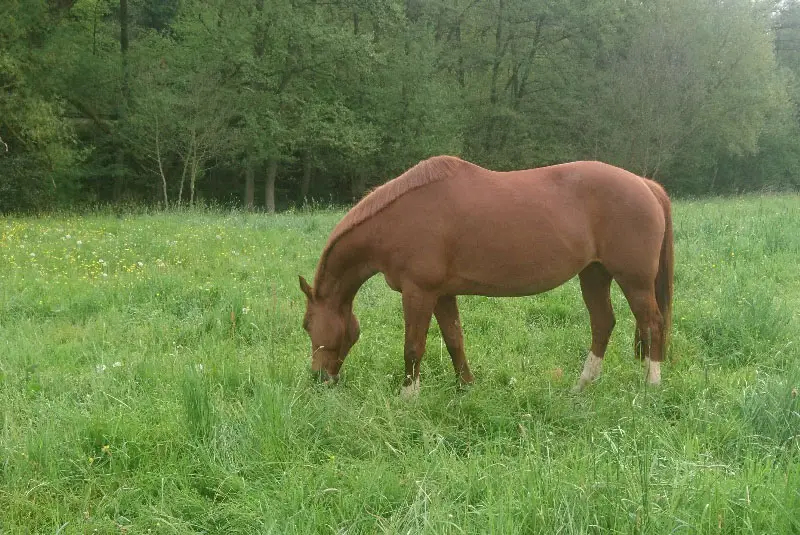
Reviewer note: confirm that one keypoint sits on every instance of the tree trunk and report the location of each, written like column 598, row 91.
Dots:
column 260, row 37
column 490, row 144
column 358, row 185
column 305, row 184
column 193, row 170
column 161, row 167
column 94, row 28
column 126, row 93
column 183, row 179
column 460, row 68
column 499, row 50
column 269, row 187
column 249, row 187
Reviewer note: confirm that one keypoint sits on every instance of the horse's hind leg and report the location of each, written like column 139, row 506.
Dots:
column 596, row 291
column 417, row 310
column 649, row 339
column 446, row 312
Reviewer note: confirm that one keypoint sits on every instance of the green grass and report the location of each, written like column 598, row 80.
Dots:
column 166, row 390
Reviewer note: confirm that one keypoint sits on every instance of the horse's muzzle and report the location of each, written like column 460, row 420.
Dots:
column 325, row 378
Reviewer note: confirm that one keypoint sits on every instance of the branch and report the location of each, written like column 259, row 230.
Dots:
column 161, row 166
column 89, row 114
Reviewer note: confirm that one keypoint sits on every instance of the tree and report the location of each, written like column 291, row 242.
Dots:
column 170, row 101
column 37, row 153
column 693, row 83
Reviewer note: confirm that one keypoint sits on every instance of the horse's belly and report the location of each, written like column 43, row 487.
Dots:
column 507, row 278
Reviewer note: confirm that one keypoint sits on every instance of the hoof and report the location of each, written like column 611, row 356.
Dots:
column 591, row 371
column 410, row 391
column 579, row 386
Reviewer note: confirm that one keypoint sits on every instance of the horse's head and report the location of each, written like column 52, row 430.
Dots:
column 333, row 331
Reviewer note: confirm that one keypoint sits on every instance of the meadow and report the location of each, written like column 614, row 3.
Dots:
column 154, row 378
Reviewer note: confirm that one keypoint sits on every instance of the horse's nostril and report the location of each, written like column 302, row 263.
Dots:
column 324, row 377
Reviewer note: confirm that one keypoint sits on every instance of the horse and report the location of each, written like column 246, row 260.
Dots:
column 448, row 227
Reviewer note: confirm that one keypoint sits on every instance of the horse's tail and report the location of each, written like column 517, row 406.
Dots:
column 666, row 261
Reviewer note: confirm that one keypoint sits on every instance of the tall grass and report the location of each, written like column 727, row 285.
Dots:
column 154, row 379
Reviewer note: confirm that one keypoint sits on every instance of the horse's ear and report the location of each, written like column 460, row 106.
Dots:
column 306, row 288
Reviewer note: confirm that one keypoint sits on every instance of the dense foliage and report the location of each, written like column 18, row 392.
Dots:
column 272, row 102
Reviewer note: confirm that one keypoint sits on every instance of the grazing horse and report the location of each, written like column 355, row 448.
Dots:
column 447, row 227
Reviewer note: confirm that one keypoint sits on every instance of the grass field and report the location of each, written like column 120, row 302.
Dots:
column 154, row 379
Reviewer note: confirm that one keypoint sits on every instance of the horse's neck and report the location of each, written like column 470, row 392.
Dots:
column 343, row 273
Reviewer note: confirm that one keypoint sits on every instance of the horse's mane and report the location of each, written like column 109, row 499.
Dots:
column 425, row 172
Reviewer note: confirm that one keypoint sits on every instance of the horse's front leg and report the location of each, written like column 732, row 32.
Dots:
column 417, row 309
column 446, row 312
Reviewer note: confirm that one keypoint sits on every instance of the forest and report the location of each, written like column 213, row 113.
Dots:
column 273, row 104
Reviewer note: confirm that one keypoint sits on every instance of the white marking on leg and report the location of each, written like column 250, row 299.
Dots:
column 591, row 371
column 410, row 391
column 653, row 369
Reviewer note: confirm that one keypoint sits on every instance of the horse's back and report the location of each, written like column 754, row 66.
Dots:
column 522, row 232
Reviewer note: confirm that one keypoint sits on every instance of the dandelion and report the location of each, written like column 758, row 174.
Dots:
column 198, row 367
column 245, row 310
column 100, row 368
column 91, row 460
column 79, row 242
column 106, row 449
column 116, row 364
column 101, row 261
column 67, row 237
column 512, row 381
column 140, row 264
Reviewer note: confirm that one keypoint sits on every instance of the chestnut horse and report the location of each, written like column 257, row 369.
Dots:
column 447, row 227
